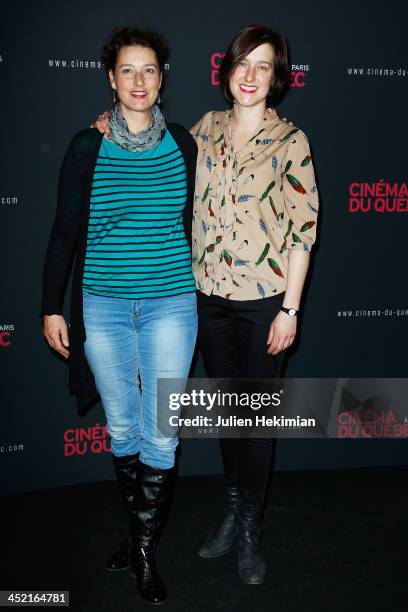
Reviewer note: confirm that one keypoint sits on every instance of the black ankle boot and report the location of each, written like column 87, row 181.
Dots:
column 151, row 504
column 221, row 541
column 251, row 564
column 126, row 472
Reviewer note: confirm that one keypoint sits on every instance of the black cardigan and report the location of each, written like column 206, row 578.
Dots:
column 69, row 237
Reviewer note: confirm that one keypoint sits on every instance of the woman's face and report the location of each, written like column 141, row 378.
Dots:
column 136, row 78
column 252, row 78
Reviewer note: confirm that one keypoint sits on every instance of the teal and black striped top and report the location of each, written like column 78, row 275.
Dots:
column 136, row 245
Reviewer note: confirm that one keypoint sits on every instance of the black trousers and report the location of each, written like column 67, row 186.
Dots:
column 232, row 339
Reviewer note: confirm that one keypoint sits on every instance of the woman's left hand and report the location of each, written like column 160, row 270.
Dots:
column 282, row 333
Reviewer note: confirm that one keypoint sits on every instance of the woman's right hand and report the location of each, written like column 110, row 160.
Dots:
column 102, row 123
column 56, row 333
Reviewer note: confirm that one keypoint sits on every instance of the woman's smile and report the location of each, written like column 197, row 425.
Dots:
column 249, row 89
column 138, row 93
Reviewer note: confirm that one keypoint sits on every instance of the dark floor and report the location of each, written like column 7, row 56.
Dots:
column 334, row 540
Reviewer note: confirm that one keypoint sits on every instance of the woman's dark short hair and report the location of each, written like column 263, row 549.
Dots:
column 123, row 37
column 244, row 42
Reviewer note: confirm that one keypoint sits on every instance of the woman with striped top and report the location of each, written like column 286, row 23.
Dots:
column 125, row 211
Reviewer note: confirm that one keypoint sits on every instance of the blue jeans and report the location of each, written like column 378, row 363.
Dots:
column 129, row 345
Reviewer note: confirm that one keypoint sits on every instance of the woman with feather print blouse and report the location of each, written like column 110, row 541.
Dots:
column 254, row 224
column 253, row 206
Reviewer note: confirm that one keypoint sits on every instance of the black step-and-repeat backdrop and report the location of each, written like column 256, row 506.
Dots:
column 349, row 94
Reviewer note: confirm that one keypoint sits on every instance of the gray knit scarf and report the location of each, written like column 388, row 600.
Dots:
column 140, row 141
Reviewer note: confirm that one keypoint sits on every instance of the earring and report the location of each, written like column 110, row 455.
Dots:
column 158, row 101
column 115, row 96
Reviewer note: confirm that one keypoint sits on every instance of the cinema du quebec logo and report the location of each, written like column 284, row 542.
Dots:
column 82, row 440
column 6, row 335
column 378, row 197
column 371, row 423
column 298, row 73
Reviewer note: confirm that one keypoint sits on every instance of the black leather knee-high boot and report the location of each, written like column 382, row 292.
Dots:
column 126, row 471
column 151, row 504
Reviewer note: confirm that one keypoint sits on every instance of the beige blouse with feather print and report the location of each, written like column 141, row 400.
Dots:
column 250, row 206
